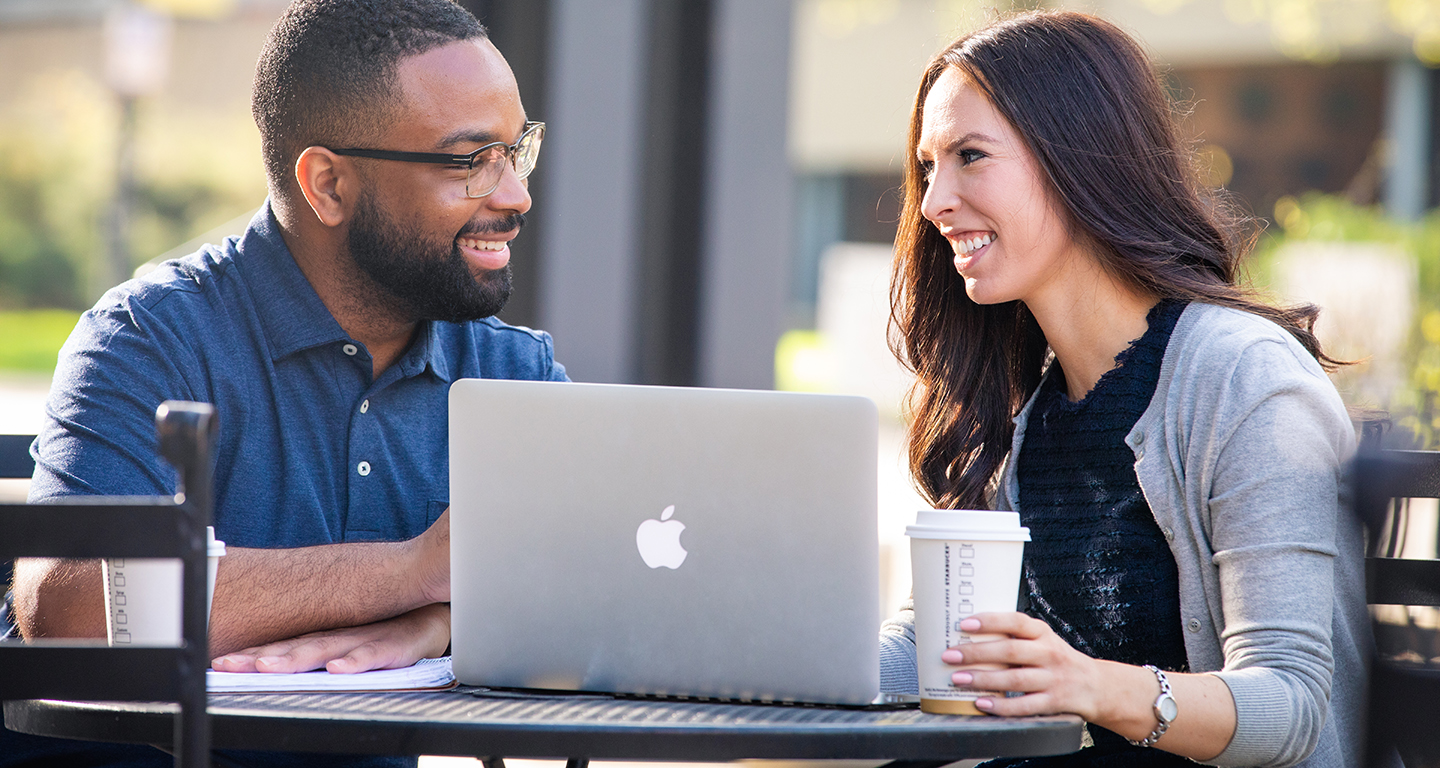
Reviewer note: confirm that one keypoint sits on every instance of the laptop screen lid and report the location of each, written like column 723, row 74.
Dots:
column 658, row 540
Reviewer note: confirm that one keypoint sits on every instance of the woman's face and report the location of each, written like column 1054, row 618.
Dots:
column 986, row 195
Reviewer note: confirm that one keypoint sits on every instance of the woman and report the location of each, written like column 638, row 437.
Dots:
column 1066, row 294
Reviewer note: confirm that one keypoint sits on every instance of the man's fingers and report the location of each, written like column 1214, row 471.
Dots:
column 380, row 654
column 244, row 660
column 301, row 654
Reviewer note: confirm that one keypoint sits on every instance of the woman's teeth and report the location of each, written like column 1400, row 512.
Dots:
column 483, row 245
column 976, row 243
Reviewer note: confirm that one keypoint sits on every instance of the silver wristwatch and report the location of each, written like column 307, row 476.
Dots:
column 1165, row 710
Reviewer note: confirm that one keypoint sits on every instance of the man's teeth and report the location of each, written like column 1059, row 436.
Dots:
column 975, row 243
column 484, row 245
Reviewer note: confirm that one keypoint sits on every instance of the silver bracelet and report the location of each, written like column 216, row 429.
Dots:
column 1165, row 710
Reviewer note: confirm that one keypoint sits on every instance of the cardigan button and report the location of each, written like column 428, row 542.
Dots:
column 1193, row 625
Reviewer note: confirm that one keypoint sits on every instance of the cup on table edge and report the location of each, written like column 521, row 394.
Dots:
column 142, row 596
column 962, row 562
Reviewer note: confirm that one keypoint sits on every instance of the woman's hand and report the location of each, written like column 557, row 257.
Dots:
column 1056, row 678
column 1053, row 676
column 390, row 644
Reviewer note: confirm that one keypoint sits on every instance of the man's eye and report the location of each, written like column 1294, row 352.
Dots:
column 968, row 156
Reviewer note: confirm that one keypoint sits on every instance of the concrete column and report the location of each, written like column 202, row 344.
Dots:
column 1407, row 125
column 749, row 197
column 592, row 178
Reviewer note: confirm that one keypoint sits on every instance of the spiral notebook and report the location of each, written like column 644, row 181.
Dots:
column 426, row 674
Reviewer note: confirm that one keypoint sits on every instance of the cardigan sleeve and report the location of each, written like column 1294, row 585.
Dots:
column 1275, row 455
column 898, row 670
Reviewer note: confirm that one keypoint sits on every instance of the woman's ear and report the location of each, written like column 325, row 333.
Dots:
column 328, row 183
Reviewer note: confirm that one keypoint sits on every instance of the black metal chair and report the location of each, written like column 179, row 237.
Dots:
column 95, row 527
column 1405, row 677
column 15, row 464
column 15, row 461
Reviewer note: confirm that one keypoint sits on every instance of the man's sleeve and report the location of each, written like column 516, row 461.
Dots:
column 118, row 365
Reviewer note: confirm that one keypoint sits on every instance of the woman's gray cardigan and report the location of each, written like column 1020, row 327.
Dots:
column 1240, row 456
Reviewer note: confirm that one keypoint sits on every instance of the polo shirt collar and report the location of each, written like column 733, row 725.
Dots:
column 291, row 312
column 427, row 353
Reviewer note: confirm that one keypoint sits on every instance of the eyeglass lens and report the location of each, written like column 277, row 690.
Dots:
column 489, row 166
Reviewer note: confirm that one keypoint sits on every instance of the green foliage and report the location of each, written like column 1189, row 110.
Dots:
column 58, row 139
column 1331, row 218
column 30, row 341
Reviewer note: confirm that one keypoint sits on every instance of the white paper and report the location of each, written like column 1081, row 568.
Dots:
column 426, row 673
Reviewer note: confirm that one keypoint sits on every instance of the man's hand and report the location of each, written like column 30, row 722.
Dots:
column 399, row 642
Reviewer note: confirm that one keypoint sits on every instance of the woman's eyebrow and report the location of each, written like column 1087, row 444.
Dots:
column 970, row 137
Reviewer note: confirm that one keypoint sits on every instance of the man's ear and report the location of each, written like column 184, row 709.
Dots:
column 328, row 183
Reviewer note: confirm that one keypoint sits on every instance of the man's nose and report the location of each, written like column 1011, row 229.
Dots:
column 513, row 194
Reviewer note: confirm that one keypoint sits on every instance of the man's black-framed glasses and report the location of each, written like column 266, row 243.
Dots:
column 484, row 166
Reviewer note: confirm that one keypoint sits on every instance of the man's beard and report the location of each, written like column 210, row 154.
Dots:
column 422, row 281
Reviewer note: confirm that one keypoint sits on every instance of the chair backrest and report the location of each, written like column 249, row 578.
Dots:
column 94, row 527
column 1405, row 677
column 15, row 461
column 15, row 464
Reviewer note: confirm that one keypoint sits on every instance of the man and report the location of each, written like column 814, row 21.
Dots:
column 327, row 337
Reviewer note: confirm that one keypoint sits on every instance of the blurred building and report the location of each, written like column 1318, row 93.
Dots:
column 1283, row 98
column 704, row 154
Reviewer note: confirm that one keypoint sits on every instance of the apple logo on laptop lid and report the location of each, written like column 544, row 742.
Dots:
column 659, row 541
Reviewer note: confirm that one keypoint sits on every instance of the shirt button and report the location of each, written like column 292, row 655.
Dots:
column 350, row 349
column 363, row 468
column 1139, row 437
column 364, row 406
column 1193, row 625
column 1169, row 534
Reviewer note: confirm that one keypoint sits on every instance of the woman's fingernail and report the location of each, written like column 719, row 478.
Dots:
column 970, row 625
column 962, row 678
column 952, row 656
column 984, row 704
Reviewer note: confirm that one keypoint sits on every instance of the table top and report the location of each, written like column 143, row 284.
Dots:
column 477, row 722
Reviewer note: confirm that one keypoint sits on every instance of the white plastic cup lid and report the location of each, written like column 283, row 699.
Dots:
column 213, row 547
column 967, row 524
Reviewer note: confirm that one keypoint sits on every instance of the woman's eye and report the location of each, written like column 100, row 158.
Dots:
column 927, row 169
column 968, row 156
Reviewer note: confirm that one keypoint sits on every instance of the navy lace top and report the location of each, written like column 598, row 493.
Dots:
column 1097, row 568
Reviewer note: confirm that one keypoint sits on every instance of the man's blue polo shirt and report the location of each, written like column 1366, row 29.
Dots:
column 312, row 448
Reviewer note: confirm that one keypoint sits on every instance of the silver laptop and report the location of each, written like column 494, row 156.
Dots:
column 658, row 540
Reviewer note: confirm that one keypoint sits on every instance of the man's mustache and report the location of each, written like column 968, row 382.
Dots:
column 506, row 224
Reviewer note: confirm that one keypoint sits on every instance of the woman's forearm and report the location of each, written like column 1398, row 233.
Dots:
column 1203, row 726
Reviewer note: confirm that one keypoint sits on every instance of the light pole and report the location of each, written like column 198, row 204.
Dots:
column 137, row 61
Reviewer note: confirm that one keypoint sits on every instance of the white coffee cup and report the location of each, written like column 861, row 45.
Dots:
column 142, row 596
column 962, row 562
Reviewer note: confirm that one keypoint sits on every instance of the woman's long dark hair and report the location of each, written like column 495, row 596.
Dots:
column 1090, row 109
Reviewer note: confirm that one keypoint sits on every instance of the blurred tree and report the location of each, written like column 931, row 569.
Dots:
column 1334, row 218
column 57, row 169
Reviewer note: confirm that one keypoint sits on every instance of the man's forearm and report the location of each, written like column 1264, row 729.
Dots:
column 261, row 595
column 59, row 598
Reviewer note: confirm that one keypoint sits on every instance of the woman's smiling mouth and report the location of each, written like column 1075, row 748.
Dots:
column 968, row 247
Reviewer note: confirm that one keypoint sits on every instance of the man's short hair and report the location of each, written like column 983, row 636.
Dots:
column 326, row 76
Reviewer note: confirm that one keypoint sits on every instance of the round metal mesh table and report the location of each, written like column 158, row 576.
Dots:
column 478, row 723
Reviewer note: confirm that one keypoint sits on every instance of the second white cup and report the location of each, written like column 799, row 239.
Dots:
column 142, row 596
